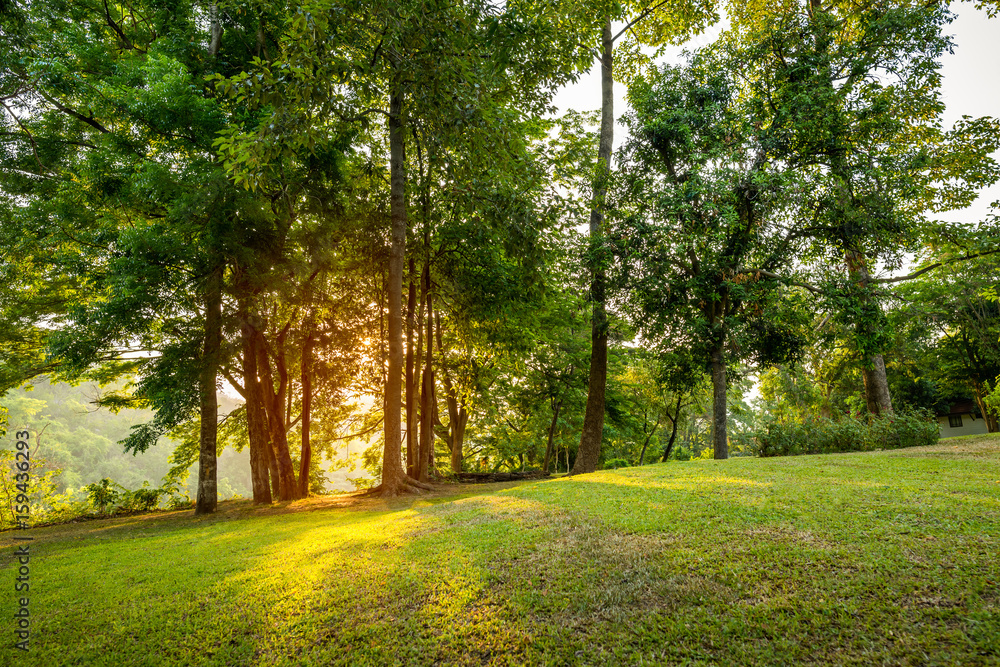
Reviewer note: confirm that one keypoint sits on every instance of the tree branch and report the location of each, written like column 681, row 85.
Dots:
column 936, row 265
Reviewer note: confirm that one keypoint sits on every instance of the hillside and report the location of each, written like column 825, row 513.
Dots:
column 877, row 558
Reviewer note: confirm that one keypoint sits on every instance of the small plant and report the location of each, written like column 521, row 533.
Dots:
column 681, row 453
column 103, row 494
column 144, row 499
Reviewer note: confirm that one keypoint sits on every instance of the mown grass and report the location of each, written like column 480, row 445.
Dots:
column 874, row 558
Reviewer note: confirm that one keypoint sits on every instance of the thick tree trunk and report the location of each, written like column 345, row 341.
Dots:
column 589, row 452
column 551, row 435
column 720, row 443
column 208, row 498
column 274, row 408
column 877, row 396
column 394, row 478
column 305, row 460
column 256, row 424
column 876, row 384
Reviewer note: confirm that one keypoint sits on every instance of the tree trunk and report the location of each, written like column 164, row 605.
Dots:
column 649, row 436
column 720, row 443
column 411, row 384
column 457, row 415
column 552, row 434
column 208, row 498
column 673, row 429
column 306, row 455
column 589, row 452
column 394, row 478
column 980, row 393
column 256, row 424
column 215, row 30
column 274, row 408
column 877, row 396
column 426, row 386
column 272, row 462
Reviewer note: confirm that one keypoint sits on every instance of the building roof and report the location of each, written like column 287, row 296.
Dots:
column 960, row 407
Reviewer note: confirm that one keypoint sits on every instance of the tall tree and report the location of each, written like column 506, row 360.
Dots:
column 854, row 102
column 696, row 225
column 651, row 23
column 127, row 202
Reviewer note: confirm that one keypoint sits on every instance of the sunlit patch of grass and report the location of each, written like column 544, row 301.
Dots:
column 870, row 558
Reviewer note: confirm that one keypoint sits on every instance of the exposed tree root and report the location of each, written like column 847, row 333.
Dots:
column 404, row 486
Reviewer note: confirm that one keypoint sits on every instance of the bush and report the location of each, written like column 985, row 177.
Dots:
column 103, row 494
column 109, row 494
column 848, row 434
column 614, row 464
column 140, row 500
column 681, row 453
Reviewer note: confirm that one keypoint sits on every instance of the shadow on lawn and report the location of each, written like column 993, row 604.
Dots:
column 716, row 562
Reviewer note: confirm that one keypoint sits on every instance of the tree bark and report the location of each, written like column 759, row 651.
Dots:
column 980, row 393
column 551, row 436
column 649, row 436
column 876, row 383
column 427, row 387
column 275, row 410
column 673, row 429
column 256, row 424
column 208, row 498
column 394, row 479
column 305, row 460
column 457, row 414
column 589, row 452
column 720, row 443
column 411, row 384
column 215, row 30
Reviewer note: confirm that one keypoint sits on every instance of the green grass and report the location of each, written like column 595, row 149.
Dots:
column 875, row 558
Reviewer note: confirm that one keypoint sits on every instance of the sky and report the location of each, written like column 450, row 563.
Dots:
column 971, row 85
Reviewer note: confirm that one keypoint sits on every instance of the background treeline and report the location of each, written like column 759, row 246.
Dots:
column 365, row 220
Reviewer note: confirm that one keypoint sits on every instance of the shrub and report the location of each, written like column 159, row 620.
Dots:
column 109, row 494
column 681, row 453
column 103, row 494
column 140, row 500
column 614, row 464
column 847, row 434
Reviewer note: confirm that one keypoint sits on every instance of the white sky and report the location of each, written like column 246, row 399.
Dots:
column 971, row 85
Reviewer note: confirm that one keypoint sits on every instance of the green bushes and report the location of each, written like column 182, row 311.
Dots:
column 108, row 494
column 614, row 464
column 848, row 434
column 103, row 494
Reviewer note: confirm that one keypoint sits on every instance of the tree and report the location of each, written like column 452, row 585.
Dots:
column 696, row 230
column 851, row 99
column 954, row 311
column 647, row 23
column 461, row 94
column 125, row 206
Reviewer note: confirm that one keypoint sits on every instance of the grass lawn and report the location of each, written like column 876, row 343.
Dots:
column 887, row 558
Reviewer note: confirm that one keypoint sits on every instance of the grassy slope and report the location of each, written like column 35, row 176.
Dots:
column 882, row 558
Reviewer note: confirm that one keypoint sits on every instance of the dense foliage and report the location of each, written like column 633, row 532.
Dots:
column 775, row 437
column 366, row 221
